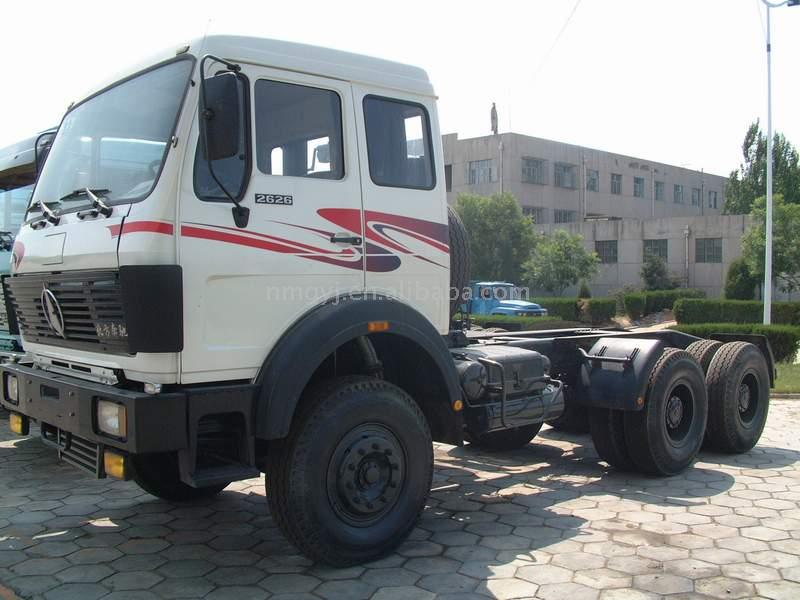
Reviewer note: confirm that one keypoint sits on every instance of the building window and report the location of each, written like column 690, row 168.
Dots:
column 564, row 216
column 712, row 199
column 677, row 193
column 448, row 178
column 537, row 213
column 657, row 247
column 607, row 251
column 660, row 190
column 566, row 176
column 592, row 180
column 398, row 142
column 533, row 170
column 616, row 183
column 482, row 171
column 696, row 197
column 708, row 250
column 638, row 187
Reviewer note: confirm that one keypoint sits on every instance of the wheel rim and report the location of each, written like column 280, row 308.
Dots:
column 366, row 474
column 679, row 413
column 747, row 399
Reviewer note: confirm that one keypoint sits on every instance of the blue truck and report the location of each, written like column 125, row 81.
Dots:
column 500, row 298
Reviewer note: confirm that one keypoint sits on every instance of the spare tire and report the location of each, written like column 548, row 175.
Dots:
column 459, row 259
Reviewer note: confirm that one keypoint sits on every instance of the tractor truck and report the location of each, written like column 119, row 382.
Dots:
column 239, row 259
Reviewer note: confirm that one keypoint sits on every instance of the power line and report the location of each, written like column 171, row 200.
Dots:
column 558, row 38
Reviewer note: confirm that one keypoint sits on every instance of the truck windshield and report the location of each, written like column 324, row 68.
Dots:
column 115, row 141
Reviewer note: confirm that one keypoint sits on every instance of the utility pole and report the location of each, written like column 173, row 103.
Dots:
column 768, row 251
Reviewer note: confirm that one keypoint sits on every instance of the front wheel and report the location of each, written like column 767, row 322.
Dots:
column 348, row 484
column 506, row 439
column 157, row 474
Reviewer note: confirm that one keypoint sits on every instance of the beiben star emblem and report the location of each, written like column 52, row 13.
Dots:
column 52, row 312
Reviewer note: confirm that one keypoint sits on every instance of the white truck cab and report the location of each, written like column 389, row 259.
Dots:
column 238, row 258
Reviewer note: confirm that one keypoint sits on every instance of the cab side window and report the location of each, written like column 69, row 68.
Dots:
column 298, row 130
column 398, row 143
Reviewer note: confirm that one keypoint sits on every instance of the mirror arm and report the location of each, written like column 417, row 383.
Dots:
column 241, row 214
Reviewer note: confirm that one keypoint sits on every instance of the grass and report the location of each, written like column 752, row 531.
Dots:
column 788, row 380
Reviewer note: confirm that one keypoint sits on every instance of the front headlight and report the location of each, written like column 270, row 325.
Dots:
column 112, row 418
column 12, row 389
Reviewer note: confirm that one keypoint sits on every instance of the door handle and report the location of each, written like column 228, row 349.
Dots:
column 344, row 238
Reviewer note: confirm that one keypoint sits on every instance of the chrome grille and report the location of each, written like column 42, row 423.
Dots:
column 91, row 306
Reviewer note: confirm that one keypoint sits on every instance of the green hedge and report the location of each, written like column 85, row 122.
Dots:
column 633, row 305
column 599, row 311
column 564, row 308
column 735, row 311
column 658, row 300
column 784, row 339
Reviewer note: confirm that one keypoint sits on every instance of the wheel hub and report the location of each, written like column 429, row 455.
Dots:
column 744, row 398
column 366, row 474
column 674, row 412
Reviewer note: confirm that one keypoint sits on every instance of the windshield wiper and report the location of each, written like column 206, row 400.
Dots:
column 91, row 192
column 98, row 206
column 49, row 215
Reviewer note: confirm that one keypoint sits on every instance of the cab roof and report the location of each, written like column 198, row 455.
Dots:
column 304, row 58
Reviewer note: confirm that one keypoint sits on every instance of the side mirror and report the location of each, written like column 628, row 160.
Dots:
column 221, row 116
column 323, row 153
column 42, row 148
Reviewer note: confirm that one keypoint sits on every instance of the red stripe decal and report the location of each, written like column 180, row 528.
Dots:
column 142, row 227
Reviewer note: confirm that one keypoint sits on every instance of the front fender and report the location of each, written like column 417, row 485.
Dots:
column 302, row 349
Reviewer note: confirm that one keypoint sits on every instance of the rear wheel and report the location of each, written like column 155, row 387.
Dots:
column 738, row 397
column 505, row 439
column 703, row 351
column 664, row 437
column 349, row 482
column 608, row 435
column 158, row 474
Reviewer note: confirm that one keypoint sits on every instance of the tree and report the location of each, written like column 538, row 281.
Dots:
column 749, row 181
column 785, row 243
column 559, row 260
column 584, row 291
column 501, row 237
column 740, row 283
column 655, row 274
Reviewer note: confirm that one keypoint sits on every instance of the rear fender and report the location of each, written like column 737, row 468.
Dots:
column 614, row 373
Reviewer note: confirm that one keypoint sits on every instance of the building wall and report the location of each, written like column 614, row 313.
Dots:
column 680, row 232
column 507, row 150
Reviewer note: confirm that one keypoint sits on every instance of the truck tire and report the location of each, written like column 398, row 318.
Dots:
column 506, row 439
column 348, row 483
column 738, row 397
column 459, row 259
column 703, row 351
column 608, row 434
column 157, row 474
column 574, row 419
column 665, row 436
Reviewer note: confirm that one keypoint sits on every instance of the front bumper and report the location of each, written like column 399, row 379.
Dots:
column 66, row 408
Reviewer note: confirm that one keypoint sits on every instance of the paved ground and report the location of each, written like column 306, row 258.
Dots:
column 546, row 522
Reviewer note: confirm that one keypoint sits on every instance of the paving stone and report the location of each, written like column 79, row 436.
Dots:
column 133, row 580
column 84, row 574
column 691, row 568
column 186, row 587
column 544, row 574
column 240, row 592
column 402, row 593
column 289, row 583
column 751, row 573
column 508, row 588
column 40, row 566
column 76, row 591
column 725, row 587
column 779, row 590
column 567, row 591
column 449, row 583
column 663, row 583
column 347, row 590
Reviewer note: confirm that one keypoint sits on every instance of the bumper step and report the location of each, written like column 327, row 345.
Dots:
column 219, row 475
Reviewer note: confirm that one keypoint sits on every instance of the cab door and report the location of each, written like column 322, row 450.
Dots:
column 303, row 244
column 405, row 204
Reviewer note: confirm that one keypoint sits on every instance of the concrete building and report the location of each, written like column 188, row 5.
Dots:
column 563, row 183
column 622, row 205
column 697, row 250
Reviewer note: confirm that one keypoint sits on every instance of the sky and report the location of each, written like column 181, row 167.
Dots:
column 676, row 81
